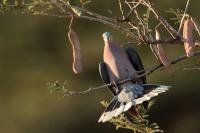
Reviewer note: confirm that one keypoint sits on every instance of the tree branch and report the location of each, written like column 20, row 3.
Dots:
column 169, row 28
column 147, row 72
column 184, row 14
column 67, row 11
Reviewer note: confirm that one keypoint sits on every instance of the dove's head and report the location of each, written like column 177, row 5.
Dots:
column 107, row 36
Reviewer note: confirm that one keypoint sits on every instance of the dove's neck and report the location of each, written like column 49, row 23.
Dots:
column 106, row 42
column 109, row 42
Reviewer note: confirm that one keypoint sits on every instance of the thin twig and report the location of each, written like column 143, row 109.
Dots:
column 71, row 21
column 141, row 22
column 121, row 9
column 57, row 4
column 169, row 41
column 184, row 14
column 91, row 18
column 133, row 8
column 197, row 27
column 167, row 26
column 91, row 15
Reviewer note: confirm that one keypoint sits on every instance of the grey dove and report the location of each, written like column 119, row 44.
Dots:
column 119, row 65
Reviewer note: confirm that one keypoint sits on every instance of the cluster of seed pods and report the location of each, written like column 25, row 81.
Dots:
column 188, row 27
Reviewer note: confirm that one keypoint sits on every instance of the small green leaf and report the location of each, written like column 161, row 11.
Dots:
column 137, row 124
column 77, row 10
column 5, row 2
column 30, row 8
column 104, row 103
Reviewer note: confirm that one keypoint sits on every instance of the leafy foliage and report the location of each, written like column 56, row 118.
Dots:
column 66, row 89
column 146, row 19
column 58, row 87
column 137, row 124
column 177, row 13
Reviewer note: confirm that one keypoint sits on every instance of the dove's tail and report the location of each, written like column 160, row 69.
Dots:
column 123, row 102
column 150, row 90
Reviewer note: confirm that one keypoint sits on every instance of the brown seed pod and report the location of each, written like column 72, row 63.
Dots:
column 164, row 59
column 188, row 37
column 77, row 63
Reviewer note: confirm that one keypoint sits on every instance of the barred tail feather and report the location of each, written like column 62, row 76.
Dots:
column 152, row 91
column 110, row 111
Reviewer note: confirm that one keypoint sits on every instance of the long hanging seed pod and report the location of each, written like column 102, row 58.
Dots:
column 77, row 63
column 160, row 51
column 187, row 36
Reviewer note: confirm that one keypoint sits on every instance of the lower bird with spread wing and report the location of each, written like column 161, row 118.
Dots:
column 119, row 65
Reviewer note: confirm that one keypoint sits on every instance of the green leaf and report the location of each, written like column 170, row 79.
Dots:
column 30, row 8
column 77, row 11
column 75, row 8
column 176, row 13
column 104, row 103
column 5, row 2
column 137, row 124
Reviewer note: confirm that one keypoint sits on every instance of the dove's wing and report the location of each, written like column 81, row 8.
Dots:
column 131, row 95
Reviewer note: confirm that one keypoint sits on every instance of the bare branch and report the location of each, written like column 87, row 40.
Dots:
column 147, row 72
column 184, row 14
column 197, row 27
column 138, row 33
column 169, row 41
column 121, row 9
column 133, row 8
column 169, row 28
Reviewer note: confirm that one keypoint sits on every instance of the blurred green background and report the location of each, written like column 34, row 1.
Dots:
column 35, row 50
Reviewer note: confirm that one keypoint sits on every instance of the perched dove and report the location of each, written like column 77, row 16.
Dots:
column 119, row 65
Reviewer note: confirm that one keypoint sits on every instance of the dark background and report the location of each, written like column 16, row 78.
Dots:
column 35, row 50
